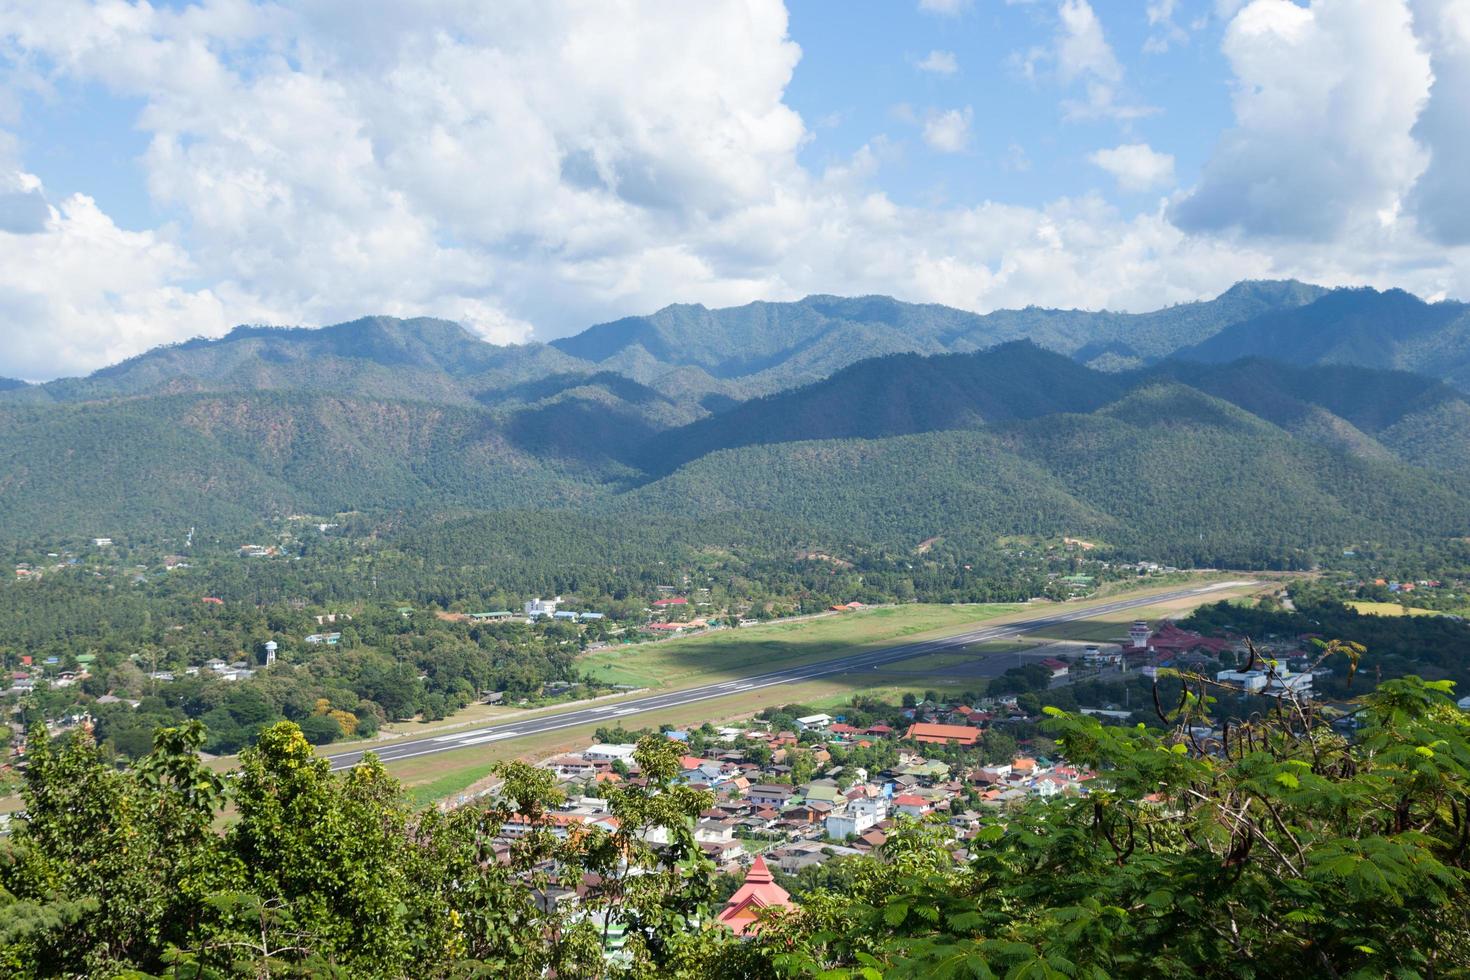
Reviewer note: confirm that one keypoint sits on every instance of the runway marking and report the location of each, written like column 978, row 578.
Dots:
column 489, row 738
column 456, row 738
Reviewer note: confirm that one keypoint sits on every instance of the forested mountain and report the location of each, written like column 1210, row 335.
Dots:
column 1366, row 327
column 770, row 346
column 229, row 461
column 376, row 357
column 898, row 395
column 1167, row 470
column 412, row 422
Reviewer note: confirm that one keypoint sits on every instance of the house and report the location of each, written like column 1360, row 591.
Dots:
column 813, row 722
column 769, row 794
column 330, row 639
column 824, row 792
column 880, row 730
column 844, row 732
column 911, row 805
column 942, row 734
column 741, row 913
column 1057, row 667
column 722, row 852
column 666, row 603
column 714, row 831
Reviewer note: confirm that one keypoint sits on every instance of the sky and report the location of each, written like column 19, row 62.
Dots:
column 531, row 167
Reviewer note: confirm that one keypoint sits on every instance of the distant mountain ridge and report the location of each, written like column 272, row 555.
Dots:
column 860, row 420
column 1391, row 329
column 704, row 359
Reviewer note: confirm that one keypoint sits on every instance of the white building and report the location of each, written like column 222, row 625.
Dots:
column 811, row 722
column 610, row 753
column 542, row 607
column 1252, row 681
column 1272, row 683
column 859, row 817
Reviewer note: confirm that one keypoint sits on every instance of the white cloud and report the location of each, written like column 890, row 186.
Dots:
column 949, row 131
column 1080, row 55
column 1136, row 166
column 1081, row 47
column 78, row 290
column 939, row 63
column 1325, row 100
column 560, row 163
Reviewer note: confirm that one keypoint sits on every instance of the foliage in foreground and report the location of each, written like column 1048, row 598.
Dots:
column 1285, row 850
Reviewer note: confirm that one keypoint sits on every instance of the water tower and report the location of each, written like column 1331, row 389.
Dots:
column 270, row 652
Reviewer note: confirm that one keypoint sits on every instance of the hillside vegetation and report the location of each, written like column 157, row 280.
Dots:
column 957, row 429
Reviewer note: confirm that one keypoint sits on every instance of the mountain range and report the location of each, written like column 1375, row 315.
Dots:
column 1258, row 424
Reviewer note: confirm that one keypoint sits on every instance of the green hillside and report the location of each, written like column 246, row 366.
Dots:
column 898, row 395
column 229, row 461
column 1365, row 327
column 1166, row 471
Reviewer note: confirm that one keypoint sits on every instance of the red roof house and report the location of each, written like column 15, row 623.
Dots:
column 941, row 734
column 677, row 600
column 760, row 891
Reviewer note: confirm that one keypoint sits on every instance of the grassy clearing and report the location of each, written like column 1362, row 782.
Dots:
column 736, row 653
column 1391, row 609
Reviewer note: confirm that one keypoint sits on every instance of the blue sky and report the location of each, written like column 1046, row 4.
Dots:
column 530, row 167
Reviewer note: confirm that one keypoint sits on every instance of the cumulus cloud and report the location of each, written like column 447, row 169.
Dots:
column 1325, row 101
column 1136, row 166
column 949, row 131
column 1441, row 199
column 78, row 290
column 555, row 163
column 939, row 63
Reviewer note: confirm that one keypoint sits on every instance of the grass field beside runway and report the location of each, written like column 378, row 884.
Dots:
column 733, row 653
column 432, row 777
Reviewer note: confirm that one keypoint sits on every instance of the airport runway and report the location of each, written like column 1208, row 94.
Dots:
column 624, row 711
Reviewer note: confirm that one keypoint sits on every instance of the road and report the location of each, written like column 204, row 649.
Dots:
column 622, row 711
